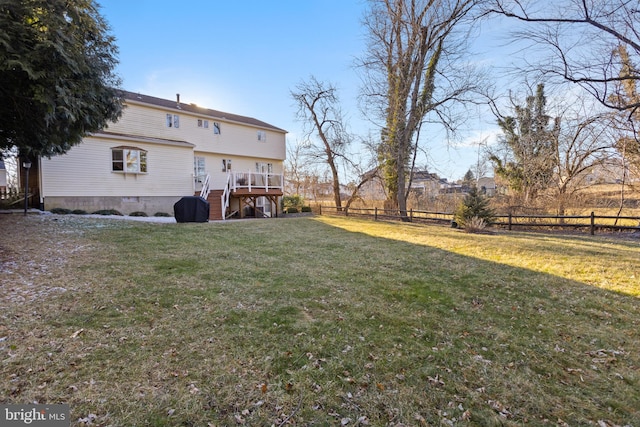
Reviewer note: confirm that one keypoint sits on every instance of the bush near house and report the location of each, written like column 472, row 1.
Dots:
column 60, row 211
column 107, row 212
column 294, row 201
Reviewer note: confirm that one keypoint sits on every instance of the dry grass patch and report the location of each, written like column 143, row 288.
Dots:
column 323, row 321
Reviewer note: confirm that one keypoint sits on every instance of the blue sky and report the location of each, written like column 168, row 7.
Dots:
column 245, row 57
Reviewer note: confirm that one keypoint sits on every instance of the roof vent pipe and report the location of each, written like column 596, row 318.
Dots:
column 178, row 99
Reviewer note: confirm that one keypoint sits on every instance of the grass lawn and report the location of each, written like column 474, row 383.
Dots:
column 317, row 321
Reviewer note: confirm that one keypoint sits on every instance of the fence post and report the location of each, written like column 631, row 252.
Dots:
column 375, row 213
column 510, row 221
column 320, row 210
column 593, row 223
column 346, row 211
column 411, row 215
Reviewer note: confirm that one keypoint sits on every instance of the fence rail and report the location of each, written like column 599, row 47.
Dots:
column 9, row 194
column 591, row 222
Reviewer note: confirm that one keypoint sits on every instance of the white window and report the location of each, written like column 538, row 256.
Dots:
column 198, row 169
column 128, row 159
column 226, row 165
column 262, row 136
column 203, row 123
column 206, row 124
column 216, row 128
column 173, row 120
column 262, row 167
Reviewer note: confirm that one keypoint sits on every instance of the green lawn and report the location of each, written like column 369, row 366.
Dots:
column 319, row 321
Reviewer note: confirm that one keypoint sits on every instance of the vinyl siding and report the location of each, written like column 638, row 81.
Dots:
column 86, row 171
column 234, row 139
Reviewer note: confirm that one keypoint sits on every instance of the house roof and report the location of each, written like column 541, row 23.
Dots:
column 193, row 108
column 137, row 138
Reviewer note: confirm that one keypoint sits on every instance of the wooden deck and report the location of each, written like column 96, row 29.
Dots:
column 245, row 190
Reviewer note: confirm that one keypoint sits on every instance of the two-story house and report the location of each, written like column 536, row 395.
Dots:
column 161, row 150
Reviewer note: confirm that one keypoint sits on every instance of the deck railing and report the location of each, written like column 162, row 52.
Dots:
column 204, row 192
column 257, row 181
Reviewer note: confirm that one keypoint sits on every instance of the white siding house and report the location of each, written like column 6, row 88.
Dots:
column 162, row 150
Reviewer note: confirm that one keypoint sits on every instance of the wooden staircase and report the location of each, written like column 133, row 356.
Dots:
column 215, row 205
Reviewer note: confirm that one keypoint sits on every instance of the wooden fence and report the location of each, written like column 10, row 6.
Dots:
column 591, row 222
column 7, row 193
column 11, row 197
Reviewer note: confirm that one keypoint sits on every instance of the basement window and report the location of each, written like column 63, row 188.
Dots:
column 128, row 160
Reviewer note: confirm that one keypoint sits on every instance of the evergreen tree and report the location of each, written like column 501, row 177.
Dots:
column 473, row 205
column 469, row 178
column 56, row 74
column 531, row 145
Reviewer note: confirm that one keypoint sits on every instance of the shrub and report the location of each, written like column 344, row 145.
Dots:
column 138, row 213
column 306, row 209
column 291, row 210
column 60, row 211
column 107, row 212
column 295, row 201
column 79, row 212
column 474, row 205
column 162, row 214
column 475, row 225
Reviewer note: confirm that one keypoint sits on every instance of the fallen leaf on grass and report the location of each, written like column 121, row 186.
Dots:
column 499, row 408
column 363, row 421
column 77, row 333
column 436, row 381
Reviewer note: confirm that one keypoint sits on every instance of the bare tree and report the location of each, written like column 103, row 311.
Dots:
column 585, row 142
column 412, row 72
column 319, row 110
column 583, row 38
column 294, row 167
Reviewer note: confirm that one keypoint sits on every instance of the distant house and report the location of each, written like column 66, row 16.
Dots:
column 487, row 186
column 428, row 183
column 161, row 150
column 423, row 183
